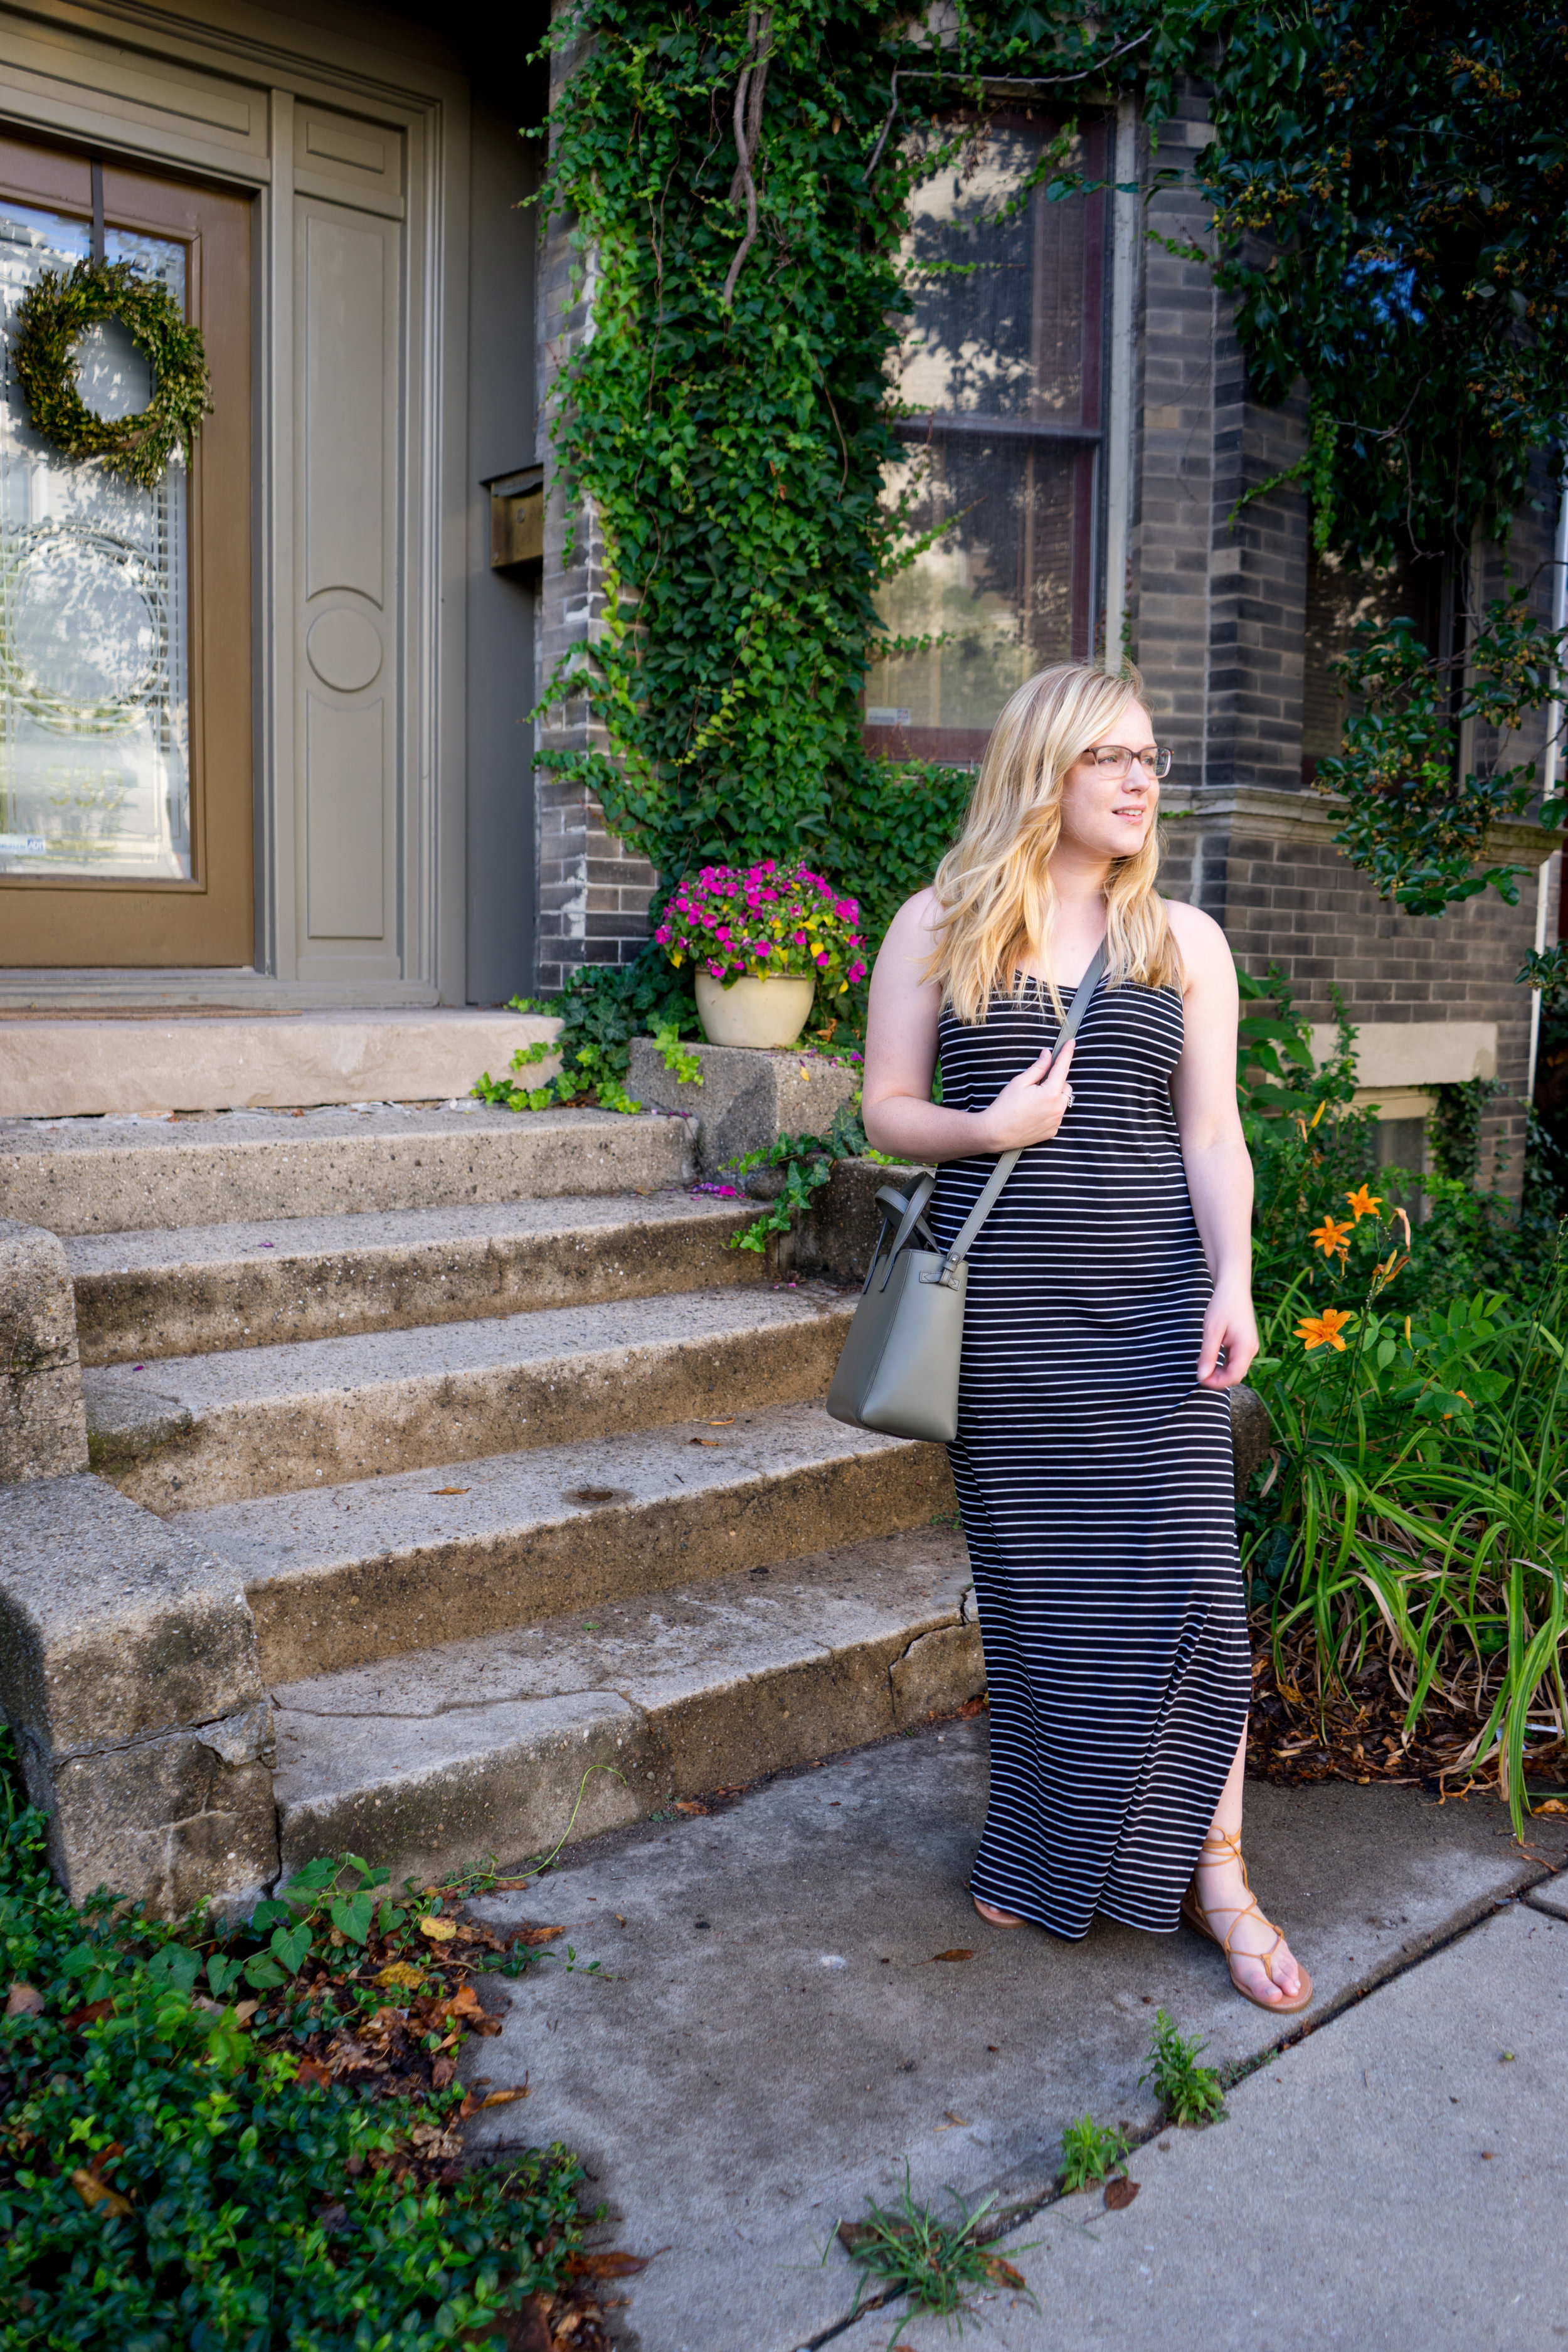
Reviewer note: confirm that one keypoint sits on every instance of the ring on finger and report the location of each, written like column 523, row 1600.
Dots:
column 1067, row 1097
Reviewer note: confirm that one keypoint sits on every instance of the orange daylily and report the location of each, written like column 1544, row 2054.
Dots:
column 1330, row 1236
column 1365, row 1202
column 1323, row 1330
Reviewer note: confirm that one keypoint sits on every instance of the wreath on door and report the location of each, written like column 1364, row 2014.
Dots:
column 55, row 312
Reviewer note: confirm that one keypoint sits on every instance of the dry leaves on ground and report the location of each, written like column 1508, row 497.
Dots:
column 1301, row 1729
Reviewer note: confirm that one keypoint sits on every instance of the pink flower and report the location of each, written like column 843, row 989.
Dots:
column 848, row 909
column 662, row 934
column 717, row 970
column 762, row 949
column 821, row 958
column 724, row 933
column 856, row 972
column 799, row 938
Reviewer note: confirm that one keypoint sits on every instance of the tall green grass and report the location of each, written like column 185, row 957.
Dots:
column 1420, row 1496
column 1417, row 1502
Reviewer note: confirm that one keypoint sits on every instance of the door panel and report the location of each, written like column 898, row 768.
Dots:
column 346, row 343
column 126, row 788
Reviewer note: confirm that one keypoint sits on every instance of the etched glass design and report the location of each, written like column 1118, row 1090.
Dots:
column 94, row 594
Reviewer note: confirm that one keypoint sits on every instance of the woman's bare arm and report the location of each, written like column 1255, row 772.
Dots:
column 897, row 1110
column 1219, row 1169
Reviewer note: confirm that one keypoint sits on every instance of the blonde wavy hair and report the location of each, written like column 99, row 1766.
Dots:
column 998, row 904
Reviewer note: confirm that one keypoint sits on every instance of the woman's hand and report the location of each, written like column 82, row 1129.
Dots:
column 1030, row 1108
column 1230, row 1328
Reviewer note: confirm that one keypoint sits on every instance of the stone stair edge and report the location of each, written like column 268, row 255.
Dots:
column 195, row 1290
column 132, row 1176
column 192, row 1431
column 349, row 1576
column 771, row 1669
column 143, row 1061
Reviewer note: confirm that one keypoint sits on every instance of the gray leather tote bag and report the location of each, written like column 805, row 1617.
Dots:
column 899, row 1370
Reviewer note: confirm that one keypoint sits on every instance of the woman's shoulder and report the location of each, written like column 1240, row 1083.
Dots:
column 1204, row 946
column 919, row 917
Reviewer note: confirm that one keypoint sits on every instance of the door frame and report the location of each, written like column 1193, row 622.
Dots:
column 142, row 921
column 242, row 104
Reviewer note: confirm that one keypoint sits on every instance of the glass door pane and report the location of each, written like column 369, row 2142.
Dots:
column 95, row 774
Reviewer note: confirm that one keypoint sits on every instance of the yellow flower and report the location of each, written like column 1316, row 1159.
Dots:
column 1318, row 1114
column 1330, row 1236
column 1323, row 1330
column 1364, row 1203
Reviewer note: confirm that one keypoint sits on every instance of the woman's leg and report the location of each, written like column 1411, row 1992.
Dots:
column 1222, row 1893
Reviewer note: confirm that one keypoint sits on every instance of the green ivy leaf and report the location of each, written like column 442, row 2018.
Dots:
column 352, row 1915
column 291, row 1945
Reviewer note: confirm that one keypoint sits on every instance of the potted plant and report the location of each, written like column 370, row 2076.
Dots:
column 764, row 942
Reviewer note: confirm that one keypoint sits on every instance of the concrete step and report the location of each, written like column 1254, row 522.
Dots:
column 343, row 1576
column 446, row 1754
column 196, row 1289
column 147, row 1058
column 122, row 1175
column 195, row 1431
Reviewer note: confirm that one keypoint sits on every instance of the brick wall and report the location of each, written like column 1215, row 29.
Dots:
column 1262, row 864
column 1218, row 615
column 594, row 893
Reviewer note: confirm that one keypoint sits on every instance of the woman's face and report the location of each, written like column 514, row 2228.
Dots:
column 1109, row 800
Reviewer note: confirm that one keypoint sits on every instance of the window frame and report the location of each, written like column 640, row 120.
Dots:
column 963, row 746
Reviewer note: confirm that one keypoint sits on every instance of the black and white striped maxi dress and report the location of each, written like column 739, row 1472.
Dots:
column 1094, row 1476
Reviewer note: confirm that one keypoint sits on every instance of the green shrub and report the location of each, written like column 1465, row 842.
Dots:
column 170, row 2183
column 1420, row 1493
column 1415, row 1381
column 602, row 1008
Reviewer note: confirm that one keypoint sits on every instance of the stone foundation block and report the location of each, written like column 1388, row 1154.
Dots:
column 835, row 1237
column 746, row 1098
column 42, row 1432
column 130, row 1676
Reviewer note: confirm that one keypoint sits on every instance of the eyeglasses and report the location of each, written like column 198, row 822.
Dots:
column 1112, row 760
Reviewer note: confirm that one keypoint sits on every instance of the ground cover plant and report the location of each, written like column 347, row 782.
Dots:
column 250, row 2140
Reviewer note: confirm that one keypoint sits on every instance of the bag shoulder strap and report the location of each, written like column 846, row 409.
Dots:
column 969, row 1232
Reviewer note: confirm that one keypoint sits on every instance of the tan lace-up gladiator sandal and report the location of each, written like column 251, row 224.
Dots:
column 1218, row 1846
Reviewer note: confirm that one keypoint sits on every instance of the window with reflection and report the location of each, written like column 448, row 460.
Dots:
column 94, row 696
column 1001, row 363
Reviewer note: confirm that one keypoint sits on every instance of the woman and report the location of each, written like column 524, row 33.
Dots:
column 1109, row 1310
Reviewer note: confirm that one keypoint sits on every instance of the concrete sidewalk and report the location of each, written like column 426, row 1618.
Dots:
column 1398, row 2179
column 781, row 2023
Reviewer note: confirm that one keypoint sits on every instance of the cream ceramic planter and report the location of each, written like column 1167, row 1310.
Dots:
column 753, row 1011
